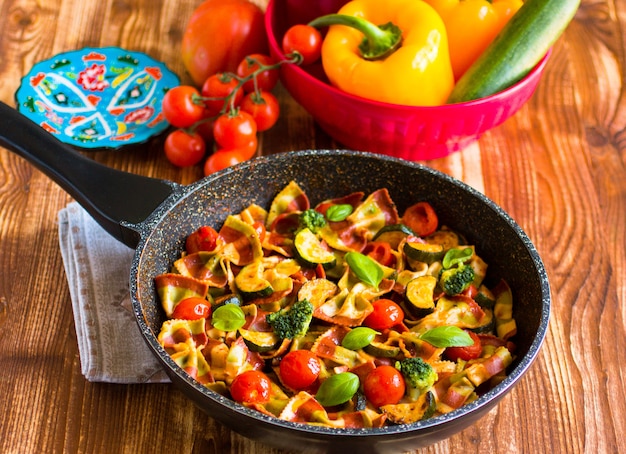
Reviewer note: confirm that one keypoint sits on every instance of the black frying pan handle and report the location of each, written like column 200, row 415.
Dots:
column 117, row 200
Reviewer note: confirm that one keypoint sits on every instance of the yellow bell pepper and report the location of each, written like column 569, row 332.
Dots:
column 471, row 26
column 404, row 61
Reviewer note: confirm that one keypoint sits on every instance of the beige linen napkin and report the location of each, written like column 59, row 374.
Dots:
column 97, row 266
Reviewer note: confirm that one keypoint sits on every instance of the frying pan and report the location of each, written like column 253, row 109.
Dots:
column 155, row 216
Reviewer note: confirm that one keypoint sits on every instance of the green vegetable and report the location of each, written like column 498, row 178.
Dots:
column 312, row 220
column 358, row 338
column 310, row 252
column 419, row 295
column 259, row 341
column 365, row 268
column 423, row 252
column 447, row 336
column 455, row 280
column 393, row 234
column 337, row 389
column 517, row 49
column 293, row 321
column 251, row 283
column 336, row 213
column 456, row 256
column 228, row 317
column 419, row 376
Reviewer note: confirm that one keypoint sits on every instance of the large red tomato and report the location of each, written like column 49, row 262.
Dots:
column 219, row 34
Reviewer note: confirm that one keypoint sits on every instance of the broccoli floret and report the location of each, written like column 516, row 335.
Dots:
column 312, row 220
column 293, row 321
column 454, row 280
column 419, row 376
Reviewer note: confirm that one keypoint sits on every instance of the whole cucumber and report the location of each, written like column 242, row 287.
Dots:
column 515, row 51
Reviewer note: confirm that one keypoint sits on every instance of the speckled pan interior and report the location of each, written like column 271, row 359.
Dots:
column 324, row 174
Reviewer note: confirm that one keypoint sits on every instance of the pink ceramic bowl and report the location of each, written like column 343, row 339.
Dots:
column 412, row 133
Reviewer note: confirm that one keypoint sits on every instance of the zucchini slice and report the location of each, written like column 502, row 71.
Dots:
column 419, row 295
column 259, row 341
column 424, row 252
column 393, row 234
column 310, row 252
column 408, row 413
column 380, row 350
column 251, row 283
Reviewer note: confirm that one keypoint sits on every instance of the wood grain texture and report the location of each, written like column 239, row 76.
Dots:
column 558, row 167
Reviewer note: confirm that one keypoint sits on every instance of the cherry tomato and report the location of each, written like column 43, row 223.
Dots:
column 299, row 369
column 234, row 129
column 203, row 239
column 251, row 387
column 265, row 79
column 192, row 308
column 184, row 149
column 379, row 251
column 225, row 93
column 263, row 106
column 421, row 218
column 305, row 40
column 179, row 107
column 386, row 314
column 465, row 353
column 219, row 34
column 384, row 386
column 225, row 158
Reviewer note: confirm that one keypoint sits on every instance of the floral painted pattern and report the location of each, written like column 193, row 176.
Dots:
column 97, row 97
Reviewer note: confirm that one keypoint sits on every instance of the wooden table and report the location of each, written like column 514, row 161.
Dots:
column 558, row 167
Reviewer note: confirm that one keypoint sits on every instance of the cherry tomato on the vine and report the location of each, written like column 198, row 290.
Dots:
column 299, row 369
column 180, row 108
column 225, row 158
column 385, row 315
column 223, row 88
column 203, row 239
column 264, row 108
column 265, row 79
column 192, row 308
column 384, row 386
column 251, row 387
column 465, row 353
column 184, row 149
column 305, row 40
column 234, row 129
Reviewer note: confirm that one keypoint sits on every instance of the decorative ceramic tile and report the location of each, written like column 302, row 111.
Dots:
column 97, row 98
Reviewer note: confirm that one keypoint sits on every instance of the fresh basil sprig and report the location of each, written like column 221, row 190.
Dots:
column 337, row 389
column 447, row 336
column 358, row 338
column 336, row 213
column 228, row 317
column 454, row 256
column 365, row 268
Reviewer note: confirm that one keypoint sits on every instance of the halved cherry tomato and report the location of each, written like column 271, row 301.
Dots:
column 192, row 308
column 184, row 149
column 224, row 91
column 265, row 80
column 180, row 108
column 299, row 369
column 203, row 239
column 379, row 251
column 305, row 40
column 251, row 387
column 421, row 218
column 263, row 106
column 384, row 386
column 465, row 353
column 385, row 315
column 234, row 129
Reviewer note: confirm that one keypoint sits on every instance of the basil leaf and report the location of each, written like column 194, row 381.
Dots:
column 336, row 213
column 337, row 389
column 454, row 256
column 365, row 268
column 447, row 336
column 358, row 338
column 228, row 317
